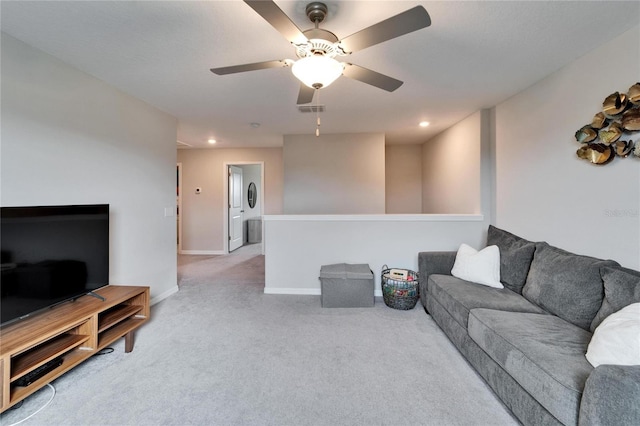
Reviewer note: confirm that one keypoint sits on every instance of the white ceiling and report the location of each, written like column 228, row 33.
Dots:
column 474, row 55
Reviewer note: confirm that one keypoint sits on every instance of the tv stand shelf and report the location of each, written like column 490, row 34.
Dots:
column 74, row 330
column 115, row 315
column 28, row 361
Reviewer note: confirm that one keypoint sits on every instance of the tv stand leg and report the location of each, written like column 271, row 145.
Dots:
column 97, row 296
column 129, row 341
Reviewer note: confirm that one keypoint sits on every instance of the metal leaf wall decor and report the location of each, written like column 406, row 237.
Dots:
column 611, row 131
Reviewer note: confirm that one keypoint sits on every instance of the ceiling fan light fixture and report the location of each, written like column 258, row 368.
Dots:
column 317, row 71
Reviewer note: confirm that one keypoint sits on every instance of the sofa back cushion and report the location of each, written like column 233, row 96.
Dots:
column 516, row 255
column 566, row 284
column 621, row 288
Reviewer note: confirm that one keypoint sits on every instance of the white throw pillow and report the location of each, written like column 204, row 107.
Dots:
column 482, row 267
column 617, row 339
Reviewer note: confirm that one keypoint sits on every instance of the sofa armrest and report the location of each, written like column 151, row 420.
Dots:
column 433, row 262
column 611, row 396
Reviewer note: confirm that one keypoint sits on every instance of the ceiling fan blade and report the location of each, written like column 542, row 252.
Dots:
column 373, row 78
column 250, row 67
column 305, row 95
column 401, row 24
column 271, row 13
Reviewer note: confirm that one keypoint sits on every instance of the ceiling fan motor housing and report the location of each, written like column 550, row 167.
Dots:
column 320, row 41
column 316, row 12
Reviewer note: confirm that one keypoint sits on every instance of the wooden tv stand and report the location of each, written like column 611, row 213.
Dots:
column 74, row 330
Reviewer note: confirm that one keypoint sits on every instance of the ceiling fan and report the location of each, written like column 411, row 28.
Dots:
column 317, row 48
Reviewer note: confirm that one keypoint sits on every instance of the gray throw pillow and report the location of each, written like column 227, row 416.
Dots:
column 516, row 255
column 566, row 284
column 621, row 288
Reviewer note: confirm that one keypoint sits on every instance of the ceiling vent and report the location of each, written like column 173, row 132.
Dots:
column 311, row 108
column 181, row 144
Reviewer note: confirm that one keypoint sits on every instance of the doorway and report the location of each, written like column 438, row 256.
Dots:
column 244, row 204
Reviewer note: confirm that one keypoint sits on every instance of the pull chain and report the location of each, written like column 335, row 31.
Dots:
column 317, row 112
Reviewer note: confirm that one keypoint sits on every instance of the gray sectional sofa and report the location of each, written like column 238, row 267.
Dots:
column 528, row 340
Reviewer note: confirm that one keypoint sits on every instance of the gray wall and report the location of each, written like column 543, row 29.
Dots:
column 543, row 191
column 334, row 174
column 451, row 169
column 403, row 179
column 69, row 138
column 203, row 218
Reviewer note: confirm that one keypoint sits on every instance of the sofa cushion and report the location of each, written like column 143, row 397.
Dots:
column 481, row 267
column 543, row 353
column 458, row 297
column 566, row 284
column 617, row 339
column 608, row 399
column 515, row 398
column 516, row 255
column 621, row 288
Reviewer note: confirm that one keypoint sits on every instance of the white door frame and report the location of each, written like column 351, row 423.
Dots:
column 235, row 191
column 225, row 200
column 179, row 211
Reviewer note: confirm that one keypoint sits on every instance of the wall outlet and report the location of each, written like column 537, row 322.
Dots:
column 169, row 211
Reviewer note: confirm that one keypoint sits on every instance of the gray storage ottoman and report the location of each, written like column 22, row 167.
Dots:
column 346, row 285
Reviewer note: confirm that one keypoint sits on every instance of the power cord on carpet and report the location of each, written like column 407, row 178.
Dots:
column 104, row 351
column 39, row 409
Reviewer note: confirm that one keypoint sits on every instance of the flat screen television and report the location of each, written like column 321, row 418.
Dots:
column 50, row 255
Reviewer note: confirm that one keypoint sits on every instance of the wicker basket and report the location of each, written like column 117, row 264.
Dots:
column 398, row 291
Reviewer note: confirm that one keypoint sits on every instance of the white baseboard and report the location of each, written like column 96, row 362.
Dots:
column 304, row 291
column 203, row 252
column 299, row 291
column 164, row 295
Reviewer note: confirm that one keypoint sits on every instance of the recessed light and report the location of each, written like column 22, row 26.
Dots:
column 212, row 141
column 424, row 123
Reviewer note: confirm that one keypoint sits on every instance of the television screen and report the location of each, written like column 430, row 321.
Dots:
column 51, row 254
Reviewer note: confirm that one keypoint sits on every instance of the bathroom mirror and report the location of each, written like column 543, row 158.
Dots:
column 252, row 195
